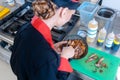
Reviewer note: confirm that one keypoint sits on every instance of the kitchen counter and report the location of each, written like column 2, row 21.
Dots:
column 115, row 28
column 12, row 8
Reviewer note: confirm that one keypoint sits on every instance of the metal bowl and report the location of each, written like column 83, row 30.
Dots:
column 76, row 37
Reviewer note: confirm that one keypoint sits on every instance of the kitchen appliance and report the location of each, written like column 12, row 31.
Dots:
column 9, row 25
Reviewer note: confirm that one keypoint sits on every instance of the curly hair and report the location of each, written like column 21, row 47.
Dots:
column 44, row 8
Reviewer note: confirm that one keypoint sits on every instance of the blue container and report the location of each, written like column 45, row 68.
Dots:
column 87, row 11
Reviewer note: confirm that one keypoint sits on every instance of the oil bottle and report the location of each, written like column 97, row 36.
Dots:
column 92, row 30
column 109, row 40
column 116, row 43
column 101, row 36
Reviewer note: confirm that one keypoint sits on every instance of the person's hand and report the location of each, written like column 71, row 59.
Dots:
column 58, row 46
column 68, row 52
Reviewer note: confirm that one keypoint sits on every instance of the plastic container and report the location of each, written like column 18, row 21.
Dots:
column 101, row 37
column 116, row 43
column 92, row 30
column 109, row 40
column 87, row 11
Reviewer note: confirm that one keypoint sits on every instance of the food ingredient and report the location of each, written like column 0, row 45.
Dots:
column 91, row 58
column 99, row 63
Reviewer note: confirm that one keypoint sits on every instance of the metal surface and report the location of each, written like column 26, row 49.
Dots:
column 12, row 8
column 9, row 26
column 105, row 17
column 115, row 28
column 77, row 76
column 5, row 53
column 6, row 38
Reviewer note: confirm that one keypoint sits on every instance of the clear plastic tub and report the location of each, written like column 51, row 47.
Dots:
column 87, row 11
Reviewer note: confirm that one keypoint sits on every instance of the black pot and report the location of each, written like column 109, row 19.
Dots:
column 76, row 37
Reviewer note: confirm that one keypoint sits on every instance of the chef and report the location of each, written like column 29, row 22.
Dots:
column 34, row 56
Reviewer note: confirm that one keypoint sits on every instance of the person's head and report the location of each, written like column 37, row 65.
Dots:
column 47, row 11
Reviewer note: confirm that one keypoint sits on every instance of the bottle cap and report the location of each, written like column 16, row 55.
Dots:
column 94, row 21
column 93, row 24
column 111, row 36
column 103, row 30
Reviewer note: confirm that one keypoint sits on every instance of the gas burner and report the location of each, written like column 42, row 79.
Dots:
column 28, row 15
column 13, row 28
column 58, row 34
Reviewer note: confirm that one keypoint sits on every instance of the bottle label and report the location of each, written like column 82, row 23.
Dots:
column 91, row 35
column 108, row 45
column 92, row 32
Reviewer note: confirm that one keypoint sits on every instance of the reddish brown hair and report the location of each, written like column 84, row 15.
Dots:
column 44, row 8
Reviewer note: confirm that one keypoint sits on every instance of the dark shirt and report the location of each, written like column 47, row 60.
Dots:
column 33, row 58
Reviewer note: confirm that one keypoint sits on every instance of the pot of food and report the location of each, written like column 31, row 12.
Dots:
column 79, row 44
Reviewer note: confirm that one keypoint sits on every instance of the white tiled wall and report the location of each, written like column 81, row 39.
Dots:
column 115, row 4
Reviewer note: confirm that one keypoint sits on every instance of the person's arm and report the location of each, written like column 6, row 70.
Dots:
column 67, row 52
column 65, row 55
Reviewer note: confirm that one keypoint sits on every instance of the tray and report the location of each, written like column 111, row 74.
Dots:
column 89, row 68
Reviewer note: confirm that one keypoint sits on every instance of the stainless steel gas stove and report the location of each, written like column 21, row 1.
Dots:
column 9, row 27
column 13, row 22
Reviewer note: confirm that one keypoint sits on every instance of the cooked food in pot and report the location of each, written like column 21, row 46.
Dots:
column 79, row 46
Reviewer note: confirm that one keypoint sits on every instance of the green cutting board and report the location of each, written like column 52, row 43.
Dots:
column 89, row 69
